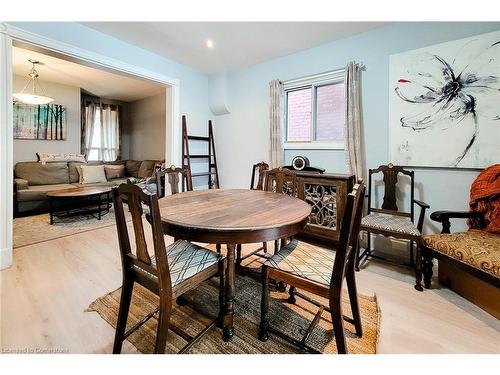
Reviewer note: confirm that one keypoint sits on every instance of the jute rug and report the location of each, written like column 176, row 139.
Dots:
column 30, row 230
column 203, row 307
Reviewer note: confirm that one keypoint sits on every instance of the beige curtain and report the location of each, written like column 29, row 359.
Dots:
column 110, row 132
column 276, row 118
column 354, row 155
column 87, row 126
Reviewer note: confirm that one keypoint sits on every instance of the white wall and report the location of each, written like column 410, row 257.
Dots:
column 69, row 96
column 145, row 129
column 243, row 135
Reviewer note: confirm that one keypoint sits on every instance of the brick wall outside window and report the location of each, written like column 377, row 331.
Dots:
column 299, row 115
column 330, row 114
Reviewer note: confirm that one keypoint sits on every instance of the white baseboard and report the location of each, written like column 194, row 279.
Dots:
column 5, row 258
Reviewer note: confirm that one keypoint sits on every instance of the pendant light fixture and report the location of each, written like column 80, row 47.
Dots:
column 34, row 97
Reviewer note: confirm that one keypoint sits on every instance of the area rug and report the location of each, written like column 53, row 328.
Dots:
column 30, row 230
column 202, row 307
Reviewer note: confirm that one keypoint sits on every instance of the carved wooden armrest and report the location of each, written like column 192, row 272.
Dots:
column 444, row 217
column 423, row 207
column 421, row 204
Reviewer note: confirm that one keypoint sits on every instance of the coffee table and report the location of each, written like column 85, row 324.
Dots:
column 78, row 201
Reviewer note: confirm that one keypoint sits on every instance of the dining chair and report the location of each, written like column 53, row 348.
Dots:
column 320, row 271
column 389, row 220
column 174, row 175
column 281, row 180
column 172, row 271
column 256, row 183
column 258, row 171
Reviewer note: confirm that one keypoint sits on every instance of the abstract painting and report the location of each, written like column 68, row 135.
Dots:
column 46, row 121
column 444, row 104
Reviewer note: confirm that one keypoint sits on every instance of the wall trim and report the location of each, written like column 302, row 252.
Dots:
column 6, row 151
column 10, row 34
column 5, row 258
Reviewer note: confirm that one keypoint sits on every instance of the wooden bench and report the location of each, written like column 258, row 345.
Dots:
column 475, row 253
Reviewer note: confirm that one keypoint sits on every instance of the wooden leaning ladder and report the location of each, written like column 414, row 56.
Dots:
column 212, row 172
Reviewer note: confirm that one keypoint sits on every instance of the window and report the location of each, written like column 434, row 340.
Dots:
column 95, row 146
column 104, row 142
column 315, row 112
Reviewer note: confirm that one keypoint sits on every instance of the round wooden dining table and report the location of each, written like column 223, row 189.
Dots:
column 232, row 216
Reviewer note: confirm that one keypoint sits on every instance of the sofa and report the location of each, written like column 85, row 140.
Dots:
column 32, row 180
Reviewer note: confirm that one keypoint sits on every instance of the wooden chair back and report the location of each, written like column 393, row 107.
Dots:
column 349, row 234
column 258, row 171
column 173, row 175
column 136, row 199
column 389, row 204
column 281, row 180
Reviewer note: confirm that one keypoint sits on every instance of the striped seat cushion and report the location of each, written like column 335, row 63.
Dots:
column 391, row 223
column 186, row 259
column 305, row 260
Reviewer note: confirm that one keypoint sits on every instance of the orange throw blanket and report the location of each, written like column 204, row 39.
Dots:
column 485, row 198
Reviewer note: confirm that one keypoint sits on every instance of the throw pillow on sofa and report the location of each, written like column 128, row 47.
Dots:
column 114, row 171
column 44, row 157
column 91, row 174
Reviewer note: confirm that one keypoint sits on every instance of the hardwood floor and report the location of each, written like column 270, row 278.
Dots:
column 45, row 293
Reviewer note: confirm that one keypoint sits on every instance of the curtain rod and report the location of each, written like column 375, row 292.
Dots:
column 289, row 81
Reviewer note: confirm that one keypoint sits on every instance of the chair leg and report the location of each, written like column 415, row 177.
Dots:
column 276, row 246
column 283, row 242
column 121, row 324
column 412, row 262
column 353, row 299
column 222, row 293
column 264, row 246
column 356, row 252
column 427, row 269
column 238, row 254
column 163, row 323
column 368, row 242
column 291, row 293
column 264, row 306
column 338, row 323
column 218, row 248
column 418, row 270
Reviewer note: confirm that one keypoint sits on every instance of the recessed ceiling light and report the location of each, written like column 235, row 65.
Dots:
column 210, row 43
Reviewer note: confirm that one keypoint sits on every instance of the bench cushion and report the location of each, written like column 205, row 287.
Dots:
column 478, row 249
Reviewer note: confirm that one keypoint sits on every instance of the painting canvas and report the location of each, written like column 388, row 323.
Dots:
column 46, row 121
column 444, row 104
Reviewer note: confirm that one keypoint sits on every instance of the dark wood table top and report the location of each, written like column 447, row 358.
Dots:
column 232, row 216
column 80, row 191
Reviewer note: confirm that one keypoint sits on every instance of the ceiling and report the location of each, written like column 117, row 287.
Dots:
column 95, row 81
column 237, row 45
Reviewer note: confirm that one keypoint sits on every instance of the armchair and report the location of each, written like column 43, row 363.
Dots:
column 389, row 220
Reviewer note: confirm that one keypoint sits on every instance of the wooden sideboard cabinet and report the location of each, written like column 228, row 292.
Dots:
column 327, row 195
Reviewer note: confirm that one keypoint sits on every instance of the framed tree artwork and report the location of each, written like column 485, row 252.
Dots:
column 444, row 104
column 47, row 121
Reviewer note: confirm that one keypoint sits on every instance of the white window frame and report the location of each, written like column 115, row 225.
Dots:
column 313, row 82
